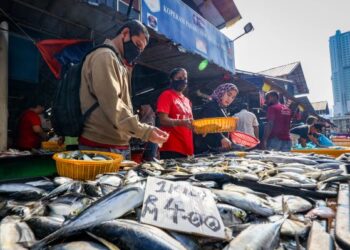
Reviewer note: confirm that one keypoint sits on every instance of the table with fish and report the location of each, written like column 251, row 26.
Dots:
column 266, row 200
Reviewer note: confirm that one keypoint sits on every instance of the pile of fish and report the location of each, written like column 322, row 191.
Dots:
column 62, row 213
column 78, row 155
column 312, row 172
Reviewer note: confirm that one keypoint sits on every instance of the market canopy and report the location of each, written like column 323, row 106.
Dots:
column 221, row 13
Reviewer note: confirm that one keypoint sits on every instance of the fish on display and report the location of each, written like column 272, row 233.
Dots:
column 21, row 191
column 245, row 201
column 295, row 204
column 111, row 206
column 231, row 215
column 78, row 155
column 42, row 226
column 86, row 245
column 69, row 205
column 124, row 233
column 62, row 213
column 15, row 234
column 257, row 237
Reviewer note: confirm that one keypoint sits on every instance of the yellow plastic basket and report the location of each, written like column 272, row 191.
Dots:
column 215, row 125
column 52, row 146
column 87, row 170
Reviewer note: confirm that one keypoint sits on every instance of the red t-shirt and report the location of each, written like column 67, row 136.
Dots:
column 27, row 138
column 177, row 107
column 281, row 116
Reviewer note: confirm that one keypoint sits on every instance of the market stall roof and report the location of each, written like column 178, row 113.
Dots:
column 259, row 79
column 321, row 107
column 221, row 13
column 86, row 20
column 292, row 71
column 305, row 102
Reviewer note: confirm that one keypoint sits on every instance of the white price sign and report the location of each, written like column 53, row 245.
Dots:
column 181, row 207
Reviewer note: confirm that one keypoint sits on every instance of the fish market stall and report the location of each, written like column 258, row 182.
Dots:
column 271, row 199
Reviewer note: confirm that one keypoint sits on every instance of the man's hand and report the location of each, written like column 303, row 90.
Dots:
column 158, row 136
column 226, row 143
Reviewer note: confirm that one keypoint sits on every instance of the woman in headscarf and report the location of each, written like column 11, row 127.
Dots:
column 222, row 97
column 175, row 117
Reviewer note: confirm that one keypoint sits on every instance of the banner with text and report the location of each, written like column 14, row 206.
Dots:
column 184, row 26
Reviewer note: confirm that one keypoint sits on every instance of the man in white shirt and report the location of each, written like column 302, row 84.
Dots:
column 247, row 123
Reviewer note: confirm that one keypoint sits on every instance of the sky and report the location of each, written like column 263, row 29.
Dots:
column 287, row 31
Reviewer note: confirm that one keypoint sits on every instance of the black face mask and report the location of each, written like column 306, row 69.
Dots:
column 179, row 85
column 131, row 52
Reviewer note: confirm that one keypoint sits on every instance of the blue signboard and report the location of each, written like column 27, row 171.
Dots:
column 184, row 26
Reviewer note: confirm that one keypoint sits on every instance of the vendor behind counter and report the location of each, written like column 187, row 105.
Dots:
column 30, row 133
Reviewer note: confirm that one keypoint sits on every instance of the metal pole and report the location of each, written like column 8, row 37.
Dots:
column 129, row 8
column 4, row 39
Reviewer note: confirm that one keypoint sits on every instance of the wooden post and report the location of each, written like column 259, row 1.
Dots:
column 4, row 39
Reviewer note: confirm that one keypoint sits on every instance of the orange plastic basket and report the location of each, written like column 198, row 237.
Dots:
column 87, row 170
column 52, row 146
column 215, row 125
column 244, row 139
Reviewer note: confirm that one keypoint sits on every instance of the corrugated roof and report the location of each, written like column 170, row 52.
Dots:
column 281, row 70
column 320, row 106
column 292, row 71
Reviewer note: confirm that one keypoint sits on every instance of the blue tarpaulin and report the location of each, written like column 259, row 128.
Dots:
column 184, row 26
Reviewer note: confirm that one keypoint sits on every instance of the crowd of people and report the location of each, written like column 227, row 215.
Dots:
column 105, row 79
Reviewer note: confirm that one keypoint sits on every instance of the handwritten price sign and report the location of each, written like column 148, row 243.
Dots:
column 181, row 207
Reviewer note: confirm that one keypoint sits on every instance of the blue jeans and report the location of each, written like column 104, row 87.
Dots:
column 124, row 152
column 279, row 145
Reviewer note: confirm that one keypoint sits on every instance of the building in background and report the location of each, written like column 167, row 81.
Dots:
column 339, row 46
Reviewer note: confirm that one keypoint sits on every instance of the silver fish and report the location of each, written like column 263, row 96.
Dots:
column 245, row 201
column 282, row 182
column 292, row 227
column 86, row 245
column 231, row 215
column 109, row 207
column 297, row 177
column 246, row 176
column 15, row 234
column 111, row 180
column 124, row 233
column 189, row 242
column 339, row 178
column 22, row 191
column 60, row 180
column 330, row 173
column 257, row 237
column 69, row 205
column 42, row 226
column 295, row 204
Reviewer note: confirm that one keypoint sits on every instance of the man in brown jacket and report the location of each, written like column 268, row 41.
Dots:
column 106, row 79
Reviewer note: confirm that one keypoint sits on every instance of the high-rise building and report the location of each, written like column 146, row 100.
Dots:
column 339, row 46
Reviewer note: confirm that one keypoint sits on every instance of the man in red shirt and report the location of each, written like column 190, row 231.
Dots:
column 276, row 134
column 30, row 132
